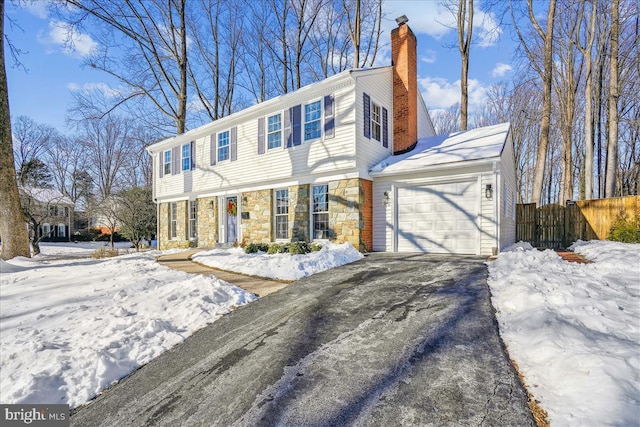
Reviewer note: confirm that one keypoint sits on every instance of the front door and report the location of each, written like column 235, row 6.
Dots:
column 232, row 219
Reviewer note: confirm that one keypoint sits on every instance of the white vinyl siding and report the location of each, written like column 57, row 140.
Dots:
column 508, row 181
column 379, row 87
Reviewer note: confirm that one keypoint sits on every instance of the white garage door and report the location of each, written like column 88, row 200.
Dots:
column 438, row 218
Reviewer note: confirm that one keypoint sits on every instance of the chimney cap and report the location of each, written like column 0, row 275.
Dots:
column 401, row 20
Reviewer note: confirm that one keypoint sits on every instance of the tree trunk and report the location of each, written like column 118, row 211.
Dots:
column 538, row 176
column 356, row 37
column 465, row 31
column 614, row 89
column 13, row 227
column 588, row 106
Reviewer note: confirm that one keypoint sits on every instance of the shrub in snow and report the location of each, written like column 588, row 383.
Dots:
column 625, row 230
column 299, row 248
column 277, row 248
column 253, row 248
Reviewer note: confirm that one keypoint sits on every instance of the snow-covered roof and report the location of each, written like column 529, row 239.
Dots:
column 47, row 195
column 476, row 144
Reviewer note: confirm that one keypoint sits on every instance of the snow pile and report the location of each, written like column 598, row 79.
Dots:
column 574, row 329
column 68, row 329
column 279, row 266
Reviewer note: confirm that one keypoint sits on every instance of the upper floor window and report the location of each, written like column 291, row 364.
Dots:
column 223, row 146
column 376, row 121
column 167, row 162
column 312, row 120
column 186, row 157
column 274, row 131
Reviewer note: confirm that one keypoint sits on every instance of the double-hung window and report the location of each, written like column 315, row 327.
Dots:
column 376, row 121
column 223, row 146
column 173, row 220
column 186, row 157
column 193, row 219
column 282, row 214
column 320, row 212
column 312, row 120
column 167, row 162
column 274, row 131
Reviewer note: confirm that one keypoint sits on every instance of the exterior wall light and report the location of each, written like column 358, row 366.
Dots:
column 385, row 198
column 488, row 191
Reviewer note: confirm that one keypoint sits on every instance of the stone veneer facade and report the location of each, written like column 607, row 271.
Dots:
column 164, row 240
column 350, row 216
column 207, row 222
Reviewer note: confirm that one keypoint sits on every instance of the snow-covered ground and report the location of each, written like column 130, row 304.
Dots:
column 69, row 328
column 574, row 329
column 279, row 266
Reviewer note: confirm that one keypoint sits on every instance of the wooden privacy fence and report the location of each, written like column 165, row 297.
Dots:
column 556, row 226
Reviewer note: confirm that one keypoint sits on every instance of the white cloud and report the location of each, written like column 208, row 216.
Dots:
column 487, row 29
column 425, row 17
column 104, row 88
column 501, row 69
column 440, row 93
column 68, row 39
column 37, row 8
column 429, row 56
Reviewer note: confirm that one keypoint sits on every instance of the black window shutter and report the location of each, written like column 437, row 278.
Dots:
column 366, row 108
column 328, row 117
column 234, row 143
column 385, row 128
column 175, row 158
column 296, row 124
column 161, row 164
column 261, row 135
column 212, row 154
column 193, row 155
column 287, row 128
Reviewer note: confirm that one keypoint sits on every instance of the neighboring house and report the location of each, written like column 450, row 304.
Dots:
column 312, row 164
column 48, row 212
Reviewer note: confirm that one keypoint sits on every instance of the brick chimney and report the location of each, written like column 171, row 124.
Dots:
column 405, row 87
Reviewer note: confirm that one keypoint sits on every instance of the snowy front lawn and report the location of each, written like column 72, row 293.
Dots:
column 70, row 328
column 574, row 329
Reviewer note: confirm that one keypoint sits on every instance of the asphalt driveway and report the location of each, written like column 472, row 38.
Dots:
column 393, row 339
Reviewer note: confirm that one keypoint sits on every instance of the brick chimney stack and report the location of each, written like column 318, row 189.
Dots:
column 405, row 87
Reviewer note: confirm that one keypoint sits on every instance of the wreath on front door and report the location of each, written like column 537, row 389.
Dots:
column 232, row 207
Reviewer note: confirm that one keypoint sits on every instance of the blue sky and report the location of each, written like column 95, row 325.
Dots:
column 44, row 91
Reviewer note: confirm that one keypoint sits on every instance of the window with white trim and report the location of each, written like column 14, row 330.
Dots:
column 193, row 219
column 320, row 212
column 173, row 220
column 223, row 146
column 62, row 230
column 274, row 131
column 167, row 162
column 46, row 229
column 312, row 120
column 281, row 214
column 186, row 157
column 376, row 122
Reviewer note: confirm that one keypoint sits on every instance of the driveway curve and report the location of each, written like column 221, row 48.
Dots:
column 390, row 340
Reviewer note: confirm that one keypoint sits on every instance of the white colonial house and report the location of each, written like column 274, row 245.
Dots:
column 353, row 158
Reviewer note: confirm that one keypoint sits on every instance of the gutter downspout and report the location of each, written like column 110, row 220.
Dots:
column 496, row 207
